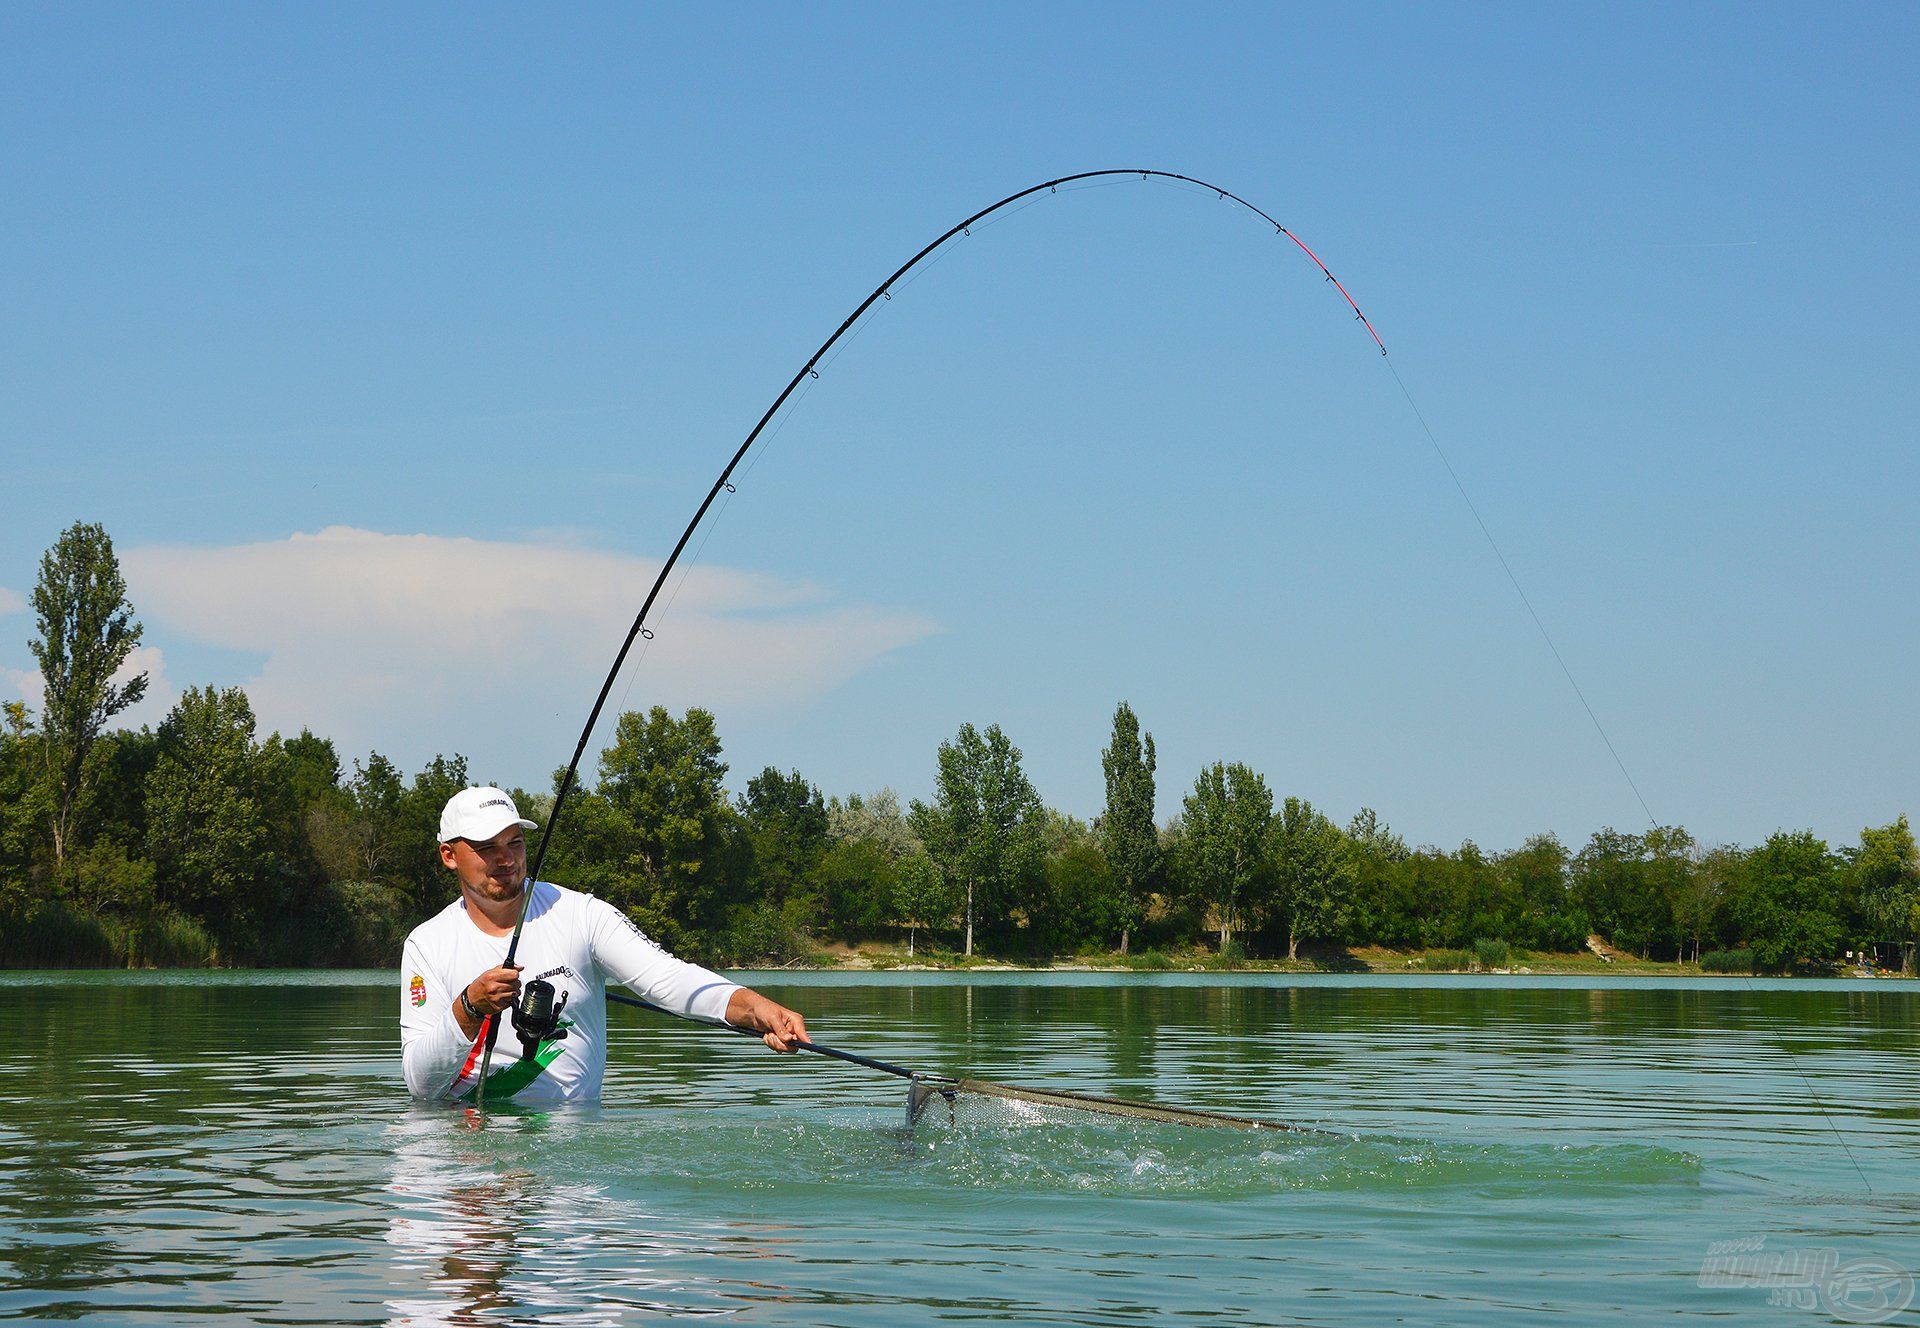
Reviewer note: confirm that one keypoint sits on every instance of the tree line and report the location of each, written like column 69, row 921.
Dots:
column 201, row 841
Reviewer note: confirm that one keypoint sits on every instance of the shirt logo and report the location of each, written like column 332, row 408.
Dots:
column 417, row 991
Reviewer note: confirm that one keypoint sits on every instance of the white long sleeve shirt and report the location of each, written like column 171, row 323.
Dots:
column 573, row 940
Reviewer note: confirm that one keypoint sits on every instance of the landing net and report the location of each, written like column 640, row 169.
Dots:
column 936, row 1102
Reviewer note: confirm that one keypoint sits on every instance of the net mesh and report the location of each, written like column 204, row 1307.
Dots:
column 935, row 1102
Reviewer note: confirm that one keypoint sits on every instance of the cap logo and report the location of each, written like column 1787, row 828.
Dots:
column 496, row 802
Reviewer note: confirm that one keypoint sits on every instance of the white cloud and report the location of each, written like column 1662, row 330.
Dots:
column 420, row 643
column 12, row 601
column 26, row 685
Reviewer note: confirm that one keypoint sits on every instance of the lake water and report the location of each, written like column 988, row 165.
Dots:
column 1504, row 1151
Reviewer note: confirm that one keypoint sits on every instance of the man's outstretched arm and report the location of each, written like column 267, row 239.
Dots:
column 628, row 956
column 778, row 1026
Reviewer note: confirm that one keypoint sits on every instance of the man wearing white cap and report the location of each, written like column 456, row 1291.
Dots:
column 454, row 973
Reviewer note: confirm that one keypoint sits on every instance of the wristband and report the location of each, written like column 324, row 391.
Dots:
column 467, row 1005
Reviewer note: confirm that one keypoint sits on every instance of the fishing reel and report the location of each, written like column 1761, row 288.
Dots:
column 536, row 1018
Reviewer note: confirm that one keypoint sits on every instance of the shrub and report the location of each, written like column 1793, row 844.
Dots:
column 1152, row 961
column 1492, row 954
column 168, row 940
column 53, row 935
column 1231, row 956
column 762, row 934
column 1727, row 961
column 1448, row 961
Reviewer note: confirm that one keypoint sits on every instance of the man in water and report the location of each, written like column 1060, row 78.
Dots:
column 454, row 973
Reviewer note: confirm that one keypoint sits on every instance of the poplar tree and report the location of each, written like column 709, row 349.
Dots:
column 1128, row 835
column 1224, row 845
column 87, row 632
column 921, row 897
column 985, row 827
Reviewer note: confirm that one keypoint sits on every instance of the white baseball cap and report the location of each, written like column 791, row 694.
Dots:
column 479, row 814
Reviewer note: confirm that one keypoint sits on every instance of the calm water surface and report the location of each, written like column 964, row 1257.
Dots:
column 1506, row 1150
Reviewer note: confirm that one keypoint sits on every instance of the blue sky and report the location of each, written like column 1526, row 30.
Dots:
column 394, row 349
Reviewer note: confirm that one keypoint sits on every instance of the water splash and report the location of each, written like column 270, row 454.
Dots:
column 849, row 1150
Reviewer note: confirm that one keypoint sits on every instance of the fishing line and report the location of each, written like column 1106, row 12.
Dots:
column 1473, row 508
column 1514, row 581
column 1572, row 682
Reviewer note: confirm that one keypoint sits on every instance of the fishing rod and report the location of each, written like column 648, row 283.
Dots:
column 810, row 369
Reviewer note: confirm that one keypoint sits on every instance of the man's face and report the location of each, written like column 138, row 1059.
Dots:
column 494, row 869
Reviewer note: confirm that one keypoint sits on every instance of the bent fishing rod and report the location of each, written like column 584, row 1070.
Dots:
column 811, row 369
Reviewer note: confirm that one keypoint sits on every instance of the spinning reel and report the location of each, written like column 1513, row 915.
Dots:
column 536, row 1018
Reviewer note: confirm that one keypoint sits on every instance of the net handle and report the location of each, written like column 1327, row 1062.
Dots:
column 816, row 1048
column 926, row 1086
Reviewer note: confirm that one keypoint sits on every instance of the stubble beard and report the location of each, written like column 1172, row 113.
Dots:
column 496, row 893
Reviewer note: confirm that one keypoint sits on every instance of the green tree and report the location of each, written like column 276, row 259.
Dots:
column 207, row 821
column 663, row 775
column 1700, row 899
column 115, row 806
column 1311, row 873
column 1082, row 903
column 1536, row 874
column 921, row 895
column 1672, row 864
column 851, row 887
column 1129, row 837
column 362, row 836
column 25, row 807
column 1480, row 903
column 1786, row 904
column 1886, row 874
column 87, row 632
column 786, row 824
column 1376, row 853
column 415, row 845
column 1224, row 846
column 1625, row 885
column 984, row 827
column 313, row 767
column 598, row 853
